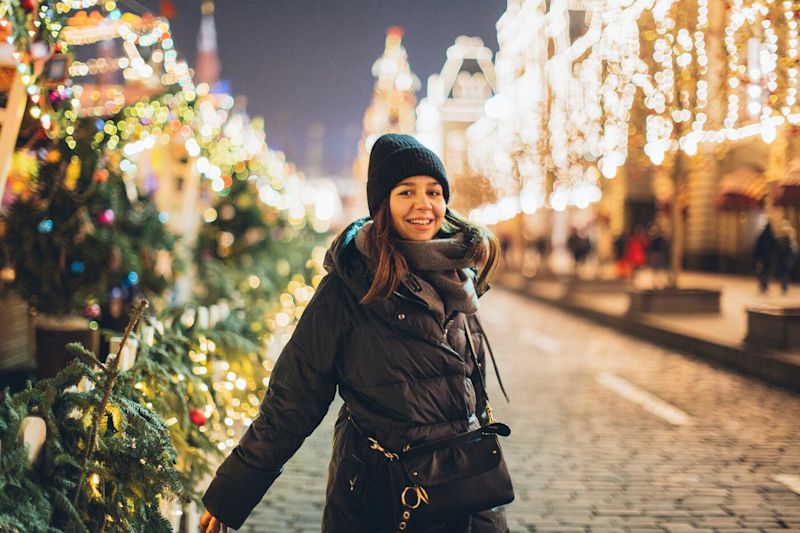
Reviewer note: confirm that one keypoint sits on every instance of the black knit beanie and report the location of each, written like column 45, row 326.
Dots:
column 393, row 158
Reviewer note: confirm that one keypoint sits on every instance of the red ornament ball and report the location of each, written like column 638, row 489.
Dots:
column 29, row 5
column 101, row 176
column 106, row 217
column 198, row 417
column 92, row 311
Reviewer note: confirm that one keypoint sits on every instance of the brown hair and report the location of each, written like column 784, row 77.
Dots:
column 391, row 267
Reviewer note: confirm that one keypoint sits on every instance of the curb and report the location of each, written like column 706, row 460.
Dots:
column 773, row 367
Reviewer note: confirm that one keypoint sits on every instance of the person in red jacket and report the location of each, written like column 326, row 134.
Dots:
column 636, row 249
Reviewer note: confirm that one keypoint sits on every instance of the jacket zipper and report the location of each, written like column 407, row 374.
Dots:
column 444, row 344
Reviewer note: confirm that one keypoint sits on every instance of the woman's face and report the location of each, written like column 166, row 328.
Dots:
column 417, row 208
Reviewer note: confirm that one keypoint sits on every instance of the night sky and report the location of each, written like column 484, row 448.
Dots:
column 300, row 61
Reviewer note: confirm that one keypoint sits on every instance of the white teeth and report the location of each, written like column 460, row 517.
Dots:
column 421, row 222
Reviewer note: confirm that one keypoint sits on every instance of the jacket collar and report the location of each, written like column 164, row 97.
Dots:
column 353, row 268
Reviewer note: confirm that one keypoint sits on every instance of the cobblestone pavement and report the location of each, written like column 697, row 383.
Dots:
column 586, row 459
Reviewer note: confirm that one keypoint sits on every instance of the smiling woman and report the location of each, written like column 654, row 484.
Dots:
column 390, row 328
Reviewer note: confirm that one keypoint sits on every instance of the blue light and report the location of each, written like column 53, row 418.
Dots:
column 163, row 216
column 99, row 124
column 77, row 267
column 133, row 278
column 46, row 226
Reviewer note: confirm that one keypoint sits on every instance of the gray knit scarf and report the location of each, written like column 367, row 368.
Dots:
column 441, row 263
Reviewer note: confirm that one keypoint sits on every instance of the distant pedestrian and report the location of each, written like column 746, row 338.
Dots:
column 619, row 246
column 505, row 247
column 636, row 250
column 542, row 245
column 764, row 255
column 786, row 252
column 586, row 247
column 578, row 247
column 658, row 256
column 393, row 327
column 623, row 268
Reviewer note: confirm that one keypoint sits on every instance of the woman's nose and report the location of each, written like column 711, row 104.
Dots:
column 422, row 200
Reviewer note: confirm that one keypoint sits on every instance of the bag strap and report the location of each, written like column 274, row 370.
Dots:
column 494, row 365
column 496, row 428
column 477, row 364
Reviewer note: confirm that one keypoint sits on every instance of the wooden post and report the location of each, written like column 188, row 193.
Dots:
column 188, row 228
column 677, row 221
column 10, row 120
column 777, row 163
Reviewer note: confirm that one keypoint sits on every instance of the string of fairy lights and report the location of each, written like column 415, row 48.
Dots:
column 759, row 88
column 575, row 127
column 656, row 48
column 234, row 402
column 51, row 30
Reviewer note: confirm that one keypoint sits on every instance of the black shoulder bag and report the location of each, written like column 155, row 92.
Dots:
column 452, row 477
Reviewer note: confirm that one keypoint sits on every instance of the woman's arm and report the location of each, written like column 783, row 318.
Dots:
column 302, row 386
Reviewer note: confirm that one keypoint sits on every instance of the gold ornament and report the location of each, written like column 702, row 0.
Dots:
column 23, row 173
column 53, row 156
column 85, row 226
column 73, row 173
column 7, row 274
column 164, row 264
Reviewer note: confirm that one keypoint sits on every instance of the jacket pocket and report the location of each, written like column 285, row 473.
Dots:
column 352, row 474
column 370, row 490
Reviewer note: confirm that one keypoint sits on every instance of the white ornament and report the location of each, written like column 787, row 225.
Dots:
column 34, row 434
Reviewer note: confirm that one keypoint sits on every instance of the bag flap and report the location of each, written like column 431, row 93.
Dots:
column 463, row 459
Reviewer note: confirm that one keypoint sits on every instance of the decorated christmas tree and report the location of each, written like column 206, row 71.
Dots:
column 79, row 237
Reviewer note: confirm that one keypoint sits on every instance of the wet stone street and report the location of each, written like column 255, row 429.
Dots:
column 609, row 434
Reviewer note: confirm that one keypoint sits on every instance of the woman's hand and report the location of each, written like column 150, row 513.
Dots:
column 209, row 524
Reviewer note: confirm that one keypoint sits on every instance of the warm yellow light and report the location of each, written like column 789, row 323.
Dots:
column 210, row 215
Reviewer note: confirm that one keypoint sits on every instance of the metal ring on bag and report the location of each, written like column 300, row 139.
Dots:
column 422, row 497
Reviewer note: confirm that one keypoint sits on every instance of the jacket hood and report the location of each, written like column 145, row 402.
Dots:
column 344, row 259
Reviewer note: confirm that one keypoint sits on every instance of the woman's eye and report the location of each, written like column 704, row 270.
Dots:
column 434, row 193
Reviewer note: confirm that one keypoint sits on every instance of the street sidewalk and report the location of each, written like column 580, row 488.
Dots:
column 718, row 337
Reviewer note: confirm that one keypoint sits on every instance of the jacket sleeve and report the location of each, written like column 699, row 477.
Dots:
column 301, row 388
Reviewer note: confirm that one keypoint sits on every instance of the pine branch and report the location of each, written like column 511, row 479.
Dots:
column 112, row 372
column 68, row 508
column 77, row 350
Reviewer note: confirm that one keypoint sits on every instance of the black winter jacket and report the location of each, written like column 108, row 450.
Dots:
column 403, row 373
